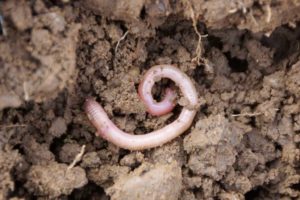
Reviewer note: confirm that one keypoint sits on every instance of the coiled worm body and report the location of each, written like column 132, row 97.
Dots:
column 109, row 131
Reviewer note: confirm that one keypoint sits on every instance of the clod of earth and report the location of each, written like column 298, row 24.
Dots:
column 109, row 131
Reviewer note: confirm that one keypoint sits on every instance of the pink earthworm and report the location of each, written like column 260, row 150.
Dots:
column 109, row 131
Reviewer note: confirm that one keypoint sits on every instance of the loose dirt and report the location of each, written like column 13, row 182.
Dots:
column 243, row 57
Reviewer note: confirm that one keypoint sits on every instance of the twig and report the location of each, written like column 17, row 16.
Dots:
column 119, row 41
column 78, row 158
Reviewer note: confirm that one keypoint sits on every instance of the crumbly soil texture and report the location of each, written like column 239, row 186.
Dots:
column 242, row 55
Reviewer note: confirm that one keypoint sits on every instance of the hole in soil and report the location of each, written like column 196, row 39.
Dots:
column 204, row 109
column 236, row 112
column 56, row 146
column 298, row 144
column 278, row 146
column 199, row 76
column 143, row 13
column 19, row 148
column 271, row 163
column 253, row 194
column 278, row 42
column 215, row 41
column 123, row 153
column 89, row 191
column 159, row 89
column 252, row 121
column 236, row 64
column 284, row 40
column 20, row 191
column 296, row 186
column 15, row 120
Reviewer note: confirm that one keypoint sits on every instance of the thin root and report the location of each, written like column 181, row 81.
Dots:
column 78, row 158
column 269, row 13
column 12, row 126
column 26, row 91
column 198, row 56
column 253, row 18
column 119, row 41
column 246, row 114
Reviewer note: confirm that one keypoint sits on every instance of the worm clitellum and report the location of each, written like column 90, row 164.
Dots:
column 109, row 131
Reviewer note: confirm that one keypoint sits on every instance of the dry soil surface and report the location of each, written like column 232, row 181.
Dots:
column 242, row 55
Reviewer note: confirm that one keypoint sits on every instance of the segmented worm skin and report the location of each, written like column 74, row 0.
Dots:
column 109, row 131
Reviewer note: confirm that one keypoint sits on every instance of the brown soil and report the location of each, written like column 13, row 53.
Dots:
column 243, row 56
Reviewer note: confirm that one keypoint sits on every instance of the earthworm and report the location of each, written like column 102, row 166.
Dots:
column 109, row 131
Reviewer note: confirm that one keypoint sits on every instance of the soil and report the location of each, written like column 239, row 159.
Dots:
column 243, row 56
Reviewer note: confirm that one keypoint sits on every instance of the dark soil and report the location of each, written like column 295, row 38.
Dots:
column 244, row 142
